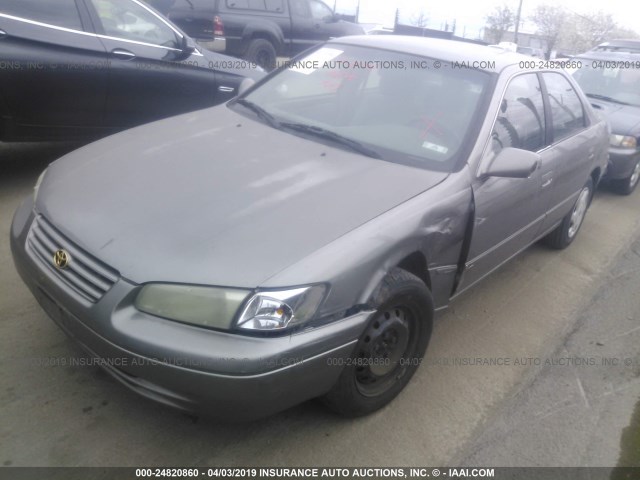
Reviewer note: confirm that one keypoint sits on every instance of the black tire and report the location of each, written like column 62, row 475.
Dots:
column 567, row 231
column 390, row 349
column 626, row 186
column 261, row 52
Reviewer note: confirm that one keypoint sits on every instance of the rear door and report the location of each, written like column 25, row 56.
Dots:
column 54, row 83
column 568, row 159
column 147, row 78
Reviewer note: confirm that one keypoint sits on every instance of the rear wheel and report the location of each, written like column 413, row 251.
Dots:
column 261, row 52
column 566, row 232
column 390, row 349
column 626, row 186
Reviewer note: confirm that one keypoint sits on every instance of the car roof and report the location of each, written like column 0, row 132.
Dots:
column 626, row 42
column 448, row 50
column 606, row 55
column 626, row 45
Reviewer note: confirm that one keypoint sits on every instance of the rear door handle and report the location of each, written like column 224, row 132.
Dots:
column 225, row 89
column 123, row 54
column 2, row 33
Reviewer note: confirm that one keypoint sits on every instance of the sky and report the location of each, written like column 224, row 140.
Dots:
column 470, row 15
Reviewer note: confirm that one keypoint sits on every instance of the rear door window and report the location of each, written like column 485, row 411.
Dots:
column 567, row 113
column 319, row 10
column 61, row 13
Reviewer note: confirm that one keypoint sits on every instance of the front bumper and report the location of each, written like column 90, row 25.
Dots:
column 622, row 161
column 218, row 374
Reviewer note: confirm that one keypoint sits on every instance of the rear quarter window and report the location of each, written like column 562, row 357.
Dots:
column 275, row 5
column 247, row 5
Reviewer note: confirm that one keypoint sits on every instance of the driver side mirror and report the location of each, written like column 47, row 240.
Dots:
column 186, row 47
column 513, row 163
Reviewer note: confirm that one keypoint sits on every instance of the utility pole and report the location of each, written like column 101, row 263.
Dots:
column 515, row 36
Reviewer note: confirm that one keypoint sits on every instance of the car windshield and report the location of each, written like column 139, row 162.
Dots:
column 618, row 85
column 389, row 105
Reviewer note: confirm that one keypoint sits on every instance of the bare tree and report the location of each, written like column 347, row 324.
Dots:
column 583, row 32
column 499, row 22
column 419, row 19
column 550, row 20
column 590, row 30
column 621, row 32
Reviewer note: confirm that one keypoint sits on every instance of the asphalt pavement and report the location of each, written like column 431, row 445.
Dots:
column 470, row 402
column 581, row 405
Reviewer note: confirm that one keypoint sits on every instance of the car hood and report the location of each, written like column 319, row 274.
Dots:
column 213, row 197
column 350, row 28
column 623, row 119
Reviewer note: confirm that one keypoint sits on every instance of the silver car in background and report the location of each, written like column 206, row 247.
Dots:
column 296, row 242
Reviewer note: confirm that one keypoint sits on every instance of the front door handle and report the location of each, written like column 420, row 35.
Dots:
column 123, row 54
column 547, row 179
column 2, row 33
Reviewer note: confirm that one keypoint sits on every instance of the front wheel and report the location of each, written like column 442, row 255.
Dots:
column 566, row 232
column 626, row 186
column 390, row 349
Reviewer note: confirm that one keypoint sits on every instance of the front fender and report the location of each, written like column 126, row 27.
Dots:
column 432, row 223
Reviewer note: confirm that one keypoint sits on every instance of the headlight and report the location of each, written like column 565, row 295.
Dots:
column 204, row 306
column 622, row 141
column 36, row 187
column 281, row 309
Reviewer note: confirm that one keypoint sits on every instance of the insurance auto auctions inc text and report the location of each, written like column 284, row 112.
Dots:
column 375, row 472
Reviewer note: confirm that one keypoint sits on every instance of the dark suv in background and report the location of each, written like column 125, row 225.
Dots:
column 611, row 80
column 257, row 30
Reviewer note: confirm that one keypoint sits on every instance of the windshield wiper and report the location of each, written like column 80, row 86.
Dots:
column 333, row 137
column 605, row 98
column 260, row 112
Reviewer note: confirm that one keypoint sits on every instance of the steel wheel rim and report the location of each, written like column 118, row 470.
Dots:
column 386, row 344
column 579, row 212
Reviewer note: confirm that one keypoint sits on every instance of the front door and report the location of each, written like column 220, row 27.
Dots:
column 148, row 80
column 509, row 211
column 54, row 74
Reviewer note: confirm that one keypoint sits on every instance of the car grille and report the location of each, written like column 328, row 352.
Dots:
column 85, row 274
